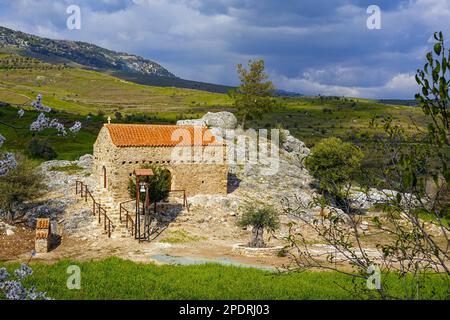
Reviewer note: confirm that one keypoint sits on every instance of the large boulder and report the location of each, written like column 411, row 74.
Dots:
column 223, row 120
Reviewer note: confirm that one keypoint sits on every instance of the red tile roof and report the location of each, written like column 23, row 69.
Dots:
column 145, row 135
column 42, row 223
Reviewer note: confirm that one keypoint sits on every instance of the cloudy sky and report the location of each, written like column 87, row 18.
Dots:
column 311, row 47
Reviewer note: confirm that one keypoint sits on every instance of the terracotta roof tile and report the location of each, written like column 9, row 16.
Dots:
column 41, row 234
column 145, row 135
column 42, row 223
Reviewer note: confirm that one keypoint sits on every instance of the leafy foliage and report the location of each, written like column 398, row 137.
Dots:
column 434, row 97
column 253, row 97
column 20, row 184
column 259, row 219
column 334, row 163
column 159, row 184
column 265, row 217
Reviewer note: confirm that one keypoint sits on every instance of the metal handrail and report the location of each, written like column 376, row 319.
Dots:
column 185, row 201
column 128, row 217
column 82, row 189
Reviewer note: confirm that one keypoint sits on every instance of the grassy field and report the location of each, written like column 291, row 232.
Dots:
column 83, row 91
column 114, row 278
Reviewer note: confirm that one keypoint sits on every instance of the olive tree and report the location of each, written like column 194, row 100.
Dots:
column 260, row 219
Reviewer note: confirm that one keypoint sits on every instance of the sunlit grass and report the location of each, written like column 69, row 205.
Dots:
column 114, row 278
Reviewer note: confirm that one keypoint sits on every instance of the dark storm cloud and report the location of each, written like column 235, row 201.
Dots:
column 317, row 46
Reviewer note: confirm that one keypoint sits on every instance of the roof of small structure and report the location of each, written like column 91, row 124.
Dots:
column 149, row 135
column 143, row 172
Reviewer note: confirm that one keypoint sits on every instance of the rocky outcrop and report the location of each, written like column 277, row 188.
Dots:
column 223, row 120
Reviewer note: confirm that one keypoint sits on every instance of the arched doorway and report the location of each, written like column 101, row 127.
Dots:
column 104, row 176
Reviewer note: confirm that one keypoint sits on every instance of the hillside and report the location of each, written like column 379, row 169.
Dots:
column 81, row 53
column 126, row 66
column 86, row 91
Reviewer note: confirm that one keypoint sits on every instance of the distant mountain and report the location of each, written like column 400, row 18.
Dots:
column 126, row 66
column 80, row 53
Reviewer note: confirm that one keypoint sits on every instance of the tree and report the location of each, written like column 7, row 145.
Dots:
column 253, row 97
column 259, row 219
column 334, row 163
column 159, row 184
column 20, row 184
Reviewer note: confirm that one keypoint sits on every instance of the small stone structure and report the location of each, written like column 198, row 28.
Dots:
column 192, row 154
column 42, row 243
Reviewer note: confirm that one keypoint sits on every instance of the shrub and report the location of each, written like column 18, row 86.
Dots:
column 259, row 219
column 41, row 149
column 159, row 184
column 20, row 184
column 334, row 163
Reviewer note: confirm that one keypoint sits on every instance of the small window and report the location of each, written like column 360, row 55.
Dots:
column 123, row 162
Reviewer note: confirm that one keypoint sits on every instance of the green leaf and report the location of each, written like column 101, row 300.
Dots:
column 437, row 48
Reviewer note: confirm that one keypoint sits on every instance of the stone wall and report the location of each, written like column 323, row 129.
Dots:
column 103, row 157
column 198, row 170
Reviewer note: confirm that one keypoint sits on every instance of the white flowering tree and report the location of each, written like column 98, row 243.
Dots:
column 42, row 122
column 38, row 104
column 7, row 159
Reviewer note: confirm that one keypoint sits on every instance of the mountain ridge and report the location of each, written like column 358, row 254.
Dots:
column 82, row 53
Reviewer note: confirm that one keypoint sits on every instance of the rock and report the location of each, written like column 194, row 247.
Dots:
column 85, row 161
column 223, row 120
column 9, row 232
column 191, row 122
column 293, row 146
column 364, row 226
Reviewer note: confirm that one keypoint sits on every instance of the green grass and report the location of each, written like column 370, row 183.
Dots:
column 180, row 236
column 114, row 278
column 70, row 169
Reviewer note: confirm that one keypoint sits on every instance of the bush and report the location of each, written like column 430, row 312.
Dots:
column 41, row 149
column 21, row 184
column 334, row 163
column 159, row 184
